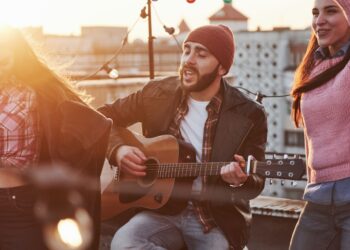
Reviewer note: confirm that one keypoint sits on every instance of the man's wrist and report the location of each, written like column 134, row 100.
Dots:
column 113, row 155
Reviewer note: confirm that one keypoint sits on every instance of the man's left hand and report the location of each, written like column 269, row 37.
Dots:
column 233, row 173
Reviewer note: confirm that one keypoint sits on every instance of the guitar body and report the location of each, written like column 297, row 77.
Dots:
column 169, row 195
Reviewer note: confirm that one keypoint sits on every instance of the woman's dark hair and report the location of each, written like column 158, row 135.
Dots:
column 303, row 84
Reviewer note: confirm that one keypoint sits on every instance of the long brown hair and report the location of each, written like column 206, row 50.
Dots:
column 303, row 84
column 32, row 70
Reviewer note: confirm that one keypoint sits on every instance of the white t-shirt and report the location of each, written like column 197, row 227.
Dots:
column 192, row 130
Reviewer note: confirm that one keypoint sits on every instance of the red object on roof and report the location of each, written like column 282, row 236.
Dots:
column 227, row 12
column 183, row 27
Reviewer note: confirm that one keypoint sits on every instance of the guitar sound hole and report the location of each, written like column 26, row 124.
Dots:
column 151, row 172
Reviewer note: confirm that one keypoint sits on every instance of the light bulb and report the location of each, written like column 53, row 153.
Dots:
column 114, row 74
column 68, row 230
column 71, row 233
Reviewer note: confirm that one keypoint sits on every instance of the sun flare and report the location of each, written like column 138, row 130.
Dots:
column 22, row 13
column 67, row 16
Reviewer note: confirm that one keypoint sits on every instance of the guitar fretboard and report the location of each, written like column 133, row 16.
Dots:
column 178, row 170
column 270, row 168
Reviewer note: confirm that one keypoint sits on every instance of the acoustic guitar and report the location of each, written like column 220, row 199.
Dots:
column 170, row 170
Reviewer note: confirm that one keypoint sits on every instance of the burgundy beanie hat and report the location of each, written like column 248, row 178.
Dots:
column 218, row 39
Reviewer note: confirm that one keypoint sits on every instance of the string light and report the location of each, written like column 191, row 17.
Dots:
column 169, row 30
column 112, row 72
column 143, row 13
column 61, row 207
column 123, row 43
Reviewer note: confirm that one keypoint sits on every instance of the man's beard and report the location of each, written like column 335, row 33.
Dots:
column 203, row 82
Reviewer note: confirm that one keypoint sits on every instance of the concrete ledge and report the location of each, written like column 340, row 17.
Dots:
column 277, row 207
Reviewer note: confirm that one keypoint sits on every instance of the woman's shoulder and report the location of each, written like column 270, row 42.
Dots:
column 322, row 65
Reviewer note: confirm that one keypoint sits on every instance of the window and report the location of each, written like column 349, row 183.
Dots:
column 294, row 138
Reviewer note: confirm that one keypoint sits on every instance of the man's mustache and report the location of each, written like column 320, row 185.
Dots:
column 187, row 67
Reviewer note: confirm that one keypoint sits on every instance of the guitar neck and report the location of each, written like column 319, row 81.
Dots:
column 182, row 170
column 292, row 169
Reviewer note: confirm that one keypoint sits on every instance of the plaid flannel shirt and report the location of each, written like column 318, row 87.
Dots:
column 213, row 109
column 19, row 126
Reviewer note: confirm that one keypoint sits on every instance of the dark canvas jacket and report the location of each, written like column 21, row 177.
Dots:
column 77, row 136
column 241, row 129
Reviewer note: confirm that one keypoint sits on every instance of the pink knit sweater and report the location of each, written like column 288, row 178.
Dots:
column 326, row 115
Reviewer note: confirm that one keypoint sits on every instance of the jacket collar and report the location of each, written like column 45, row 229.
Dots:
column 323, row 53
column 232, row 96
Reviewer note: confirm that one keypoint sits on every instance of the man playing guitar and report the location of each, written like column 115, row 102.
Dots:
column 201, row 108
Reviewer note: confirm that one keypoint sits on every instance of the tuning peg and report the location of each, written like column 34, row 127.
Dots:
column 293, row 183
column 282, row 182
column 271, row 181
column 285, row 156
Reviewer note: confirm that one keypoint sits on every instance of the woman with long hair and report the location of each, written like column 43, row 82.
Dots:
column 44, row 120
column 321, row 104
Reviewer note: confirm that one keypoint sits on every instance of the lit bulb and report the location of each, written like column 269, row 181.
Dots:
column 69, row 232
column 114, row 74
column 191, row 1
column 73, row 233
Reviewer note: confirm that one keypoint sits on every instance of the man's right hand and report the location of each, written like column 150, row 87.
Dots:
column 131, row 160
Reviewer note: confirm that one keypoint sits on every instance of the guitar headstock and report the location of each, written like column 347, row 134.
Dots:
column 291, row 169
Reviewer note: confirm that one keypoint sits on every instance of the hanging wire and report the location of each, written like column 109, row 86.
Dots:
column 263, row 95
column 166, row 28
column 116, row 54
column 259, row 96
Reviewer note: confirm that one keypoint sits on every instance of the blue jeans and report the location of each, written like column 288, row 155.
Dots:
column 149, row 230
column 322, row 227
column 19, row 229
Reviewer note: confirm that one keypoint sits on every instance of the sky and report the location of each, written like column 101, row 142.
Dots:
column 66, row 16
